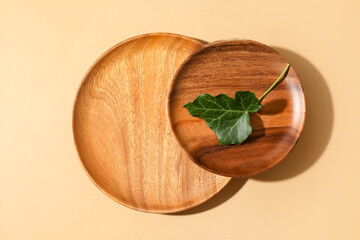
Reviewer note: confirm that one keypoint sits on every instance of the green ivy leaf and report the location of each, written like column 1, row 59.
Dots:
column 227, row 117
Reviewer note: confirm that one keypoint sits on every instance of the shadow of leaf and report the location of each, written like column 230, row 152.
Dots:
column 258, row 129
column 273, row 107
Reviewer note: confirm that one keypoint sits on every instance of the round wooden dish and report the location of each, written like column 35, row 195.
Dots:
column 121, row 130
column 227, row 67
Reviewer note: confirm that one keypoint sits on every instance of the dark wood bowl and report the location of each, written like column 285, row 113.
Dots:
column 226, row 67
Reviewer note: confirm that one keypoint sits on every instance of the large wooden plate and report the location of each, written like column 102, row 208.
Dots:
column 121, row 130
column 227, row 67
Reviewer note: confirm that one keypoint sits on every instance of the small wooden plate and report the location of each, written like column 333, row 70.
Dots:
column 121, row 130
column 227, row 67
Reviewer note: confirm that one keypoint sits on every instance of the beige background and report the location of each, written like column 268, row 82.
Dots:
column 47, row 46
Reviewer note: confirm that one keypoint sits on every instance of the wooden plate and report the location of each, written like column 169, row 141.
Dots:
column 121, row 130
column 227, row 67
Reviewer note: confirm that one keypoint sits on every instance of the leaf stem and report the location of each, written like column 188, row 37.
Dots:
column 277, row 80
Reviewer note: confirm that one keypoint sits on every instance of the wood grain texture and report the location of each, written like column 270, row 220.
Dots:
column 122, row 133
column 227, row 67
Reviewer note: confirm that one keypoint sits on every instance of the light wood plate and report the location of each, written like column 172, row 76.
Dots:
column 121, row 130
column 227, row 67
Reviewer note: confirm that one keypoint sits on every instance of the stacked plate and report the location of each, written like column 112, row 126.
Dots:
column 144, row 150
